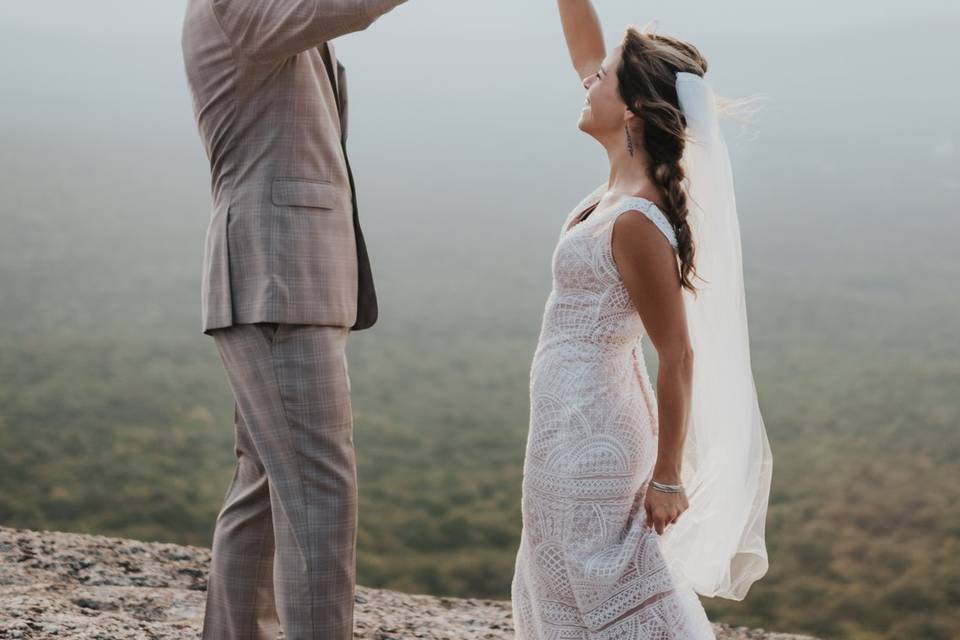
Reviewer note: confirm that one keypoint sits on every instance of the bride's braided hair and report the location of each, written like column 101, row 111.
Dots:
column 647, row 77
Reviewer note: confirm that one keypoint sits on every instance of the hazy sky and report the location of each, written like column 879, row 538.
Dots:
column 157, row 18
column 55, row 52
column 473, row 94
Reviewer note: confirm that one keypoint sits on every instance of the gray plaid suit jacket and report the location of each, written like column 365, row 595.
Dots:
column 284, row 242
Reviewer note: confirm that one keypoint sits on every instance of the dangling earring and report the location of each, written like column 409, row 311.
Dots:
column 626, row 129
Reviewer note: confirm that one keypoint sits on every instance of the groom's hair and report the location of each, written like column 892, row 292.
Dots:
column 647, row 74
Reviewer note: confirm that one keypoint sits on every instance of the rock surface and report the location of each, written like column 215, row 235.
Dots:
column 66, row 585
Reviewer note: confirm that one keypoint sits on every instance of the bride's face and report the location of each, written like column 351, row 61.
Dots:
column 603, row 110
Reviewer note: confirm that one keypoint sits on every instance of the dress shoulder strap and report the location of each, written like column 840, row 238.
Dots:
column 649, row 209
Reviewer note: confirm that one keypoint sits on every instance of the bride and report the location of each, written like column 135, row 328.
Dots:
column 635, row 502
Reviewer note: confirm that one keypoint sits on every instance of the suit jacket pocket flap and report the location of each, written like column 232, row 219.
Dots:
column 299, row 192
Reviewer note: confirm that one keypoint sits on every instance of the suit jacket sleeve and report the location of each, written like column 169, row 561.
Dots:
column 269, row 29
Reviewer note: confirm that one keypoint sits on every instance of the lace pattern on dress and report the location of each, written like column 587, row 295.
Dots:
column 587, row 568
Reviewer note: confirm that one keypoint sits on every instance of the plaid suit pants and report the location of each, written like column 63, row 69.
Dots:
column 284, row 547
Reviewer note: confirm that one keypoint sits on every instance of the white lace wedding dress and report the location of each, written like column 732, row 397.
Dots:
column 586, row 568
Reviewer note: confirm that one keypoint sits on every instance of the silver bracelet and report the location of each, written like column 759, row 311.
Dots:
column 668, row 488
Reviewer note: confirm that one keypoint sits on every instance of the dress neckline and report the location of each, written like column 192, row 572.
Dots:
column 569, row 228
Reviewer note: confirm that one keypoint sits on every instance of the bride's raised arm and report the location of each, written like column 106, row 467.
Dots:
column 581, row 28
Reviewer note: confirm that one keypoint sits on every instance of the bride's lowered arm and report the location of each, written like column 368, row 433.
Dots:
column 649, row 270
column 584, row 36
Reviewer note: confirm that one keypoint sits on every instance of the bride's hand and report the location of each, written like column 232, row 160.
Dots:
column 663, row 508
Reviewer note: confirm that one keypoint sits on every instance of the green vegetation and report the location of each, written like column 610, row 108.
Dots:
column 116, row 416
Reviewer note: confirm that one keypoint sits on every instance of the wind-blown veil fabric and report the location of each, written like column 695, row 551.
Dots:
column 718, row 544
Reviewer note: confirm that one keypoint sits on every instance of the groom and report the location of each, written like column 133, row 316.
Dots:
column 285, row 278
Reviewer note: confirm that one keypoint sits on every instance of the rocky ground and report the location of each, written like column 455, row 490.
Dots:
column 64, row 585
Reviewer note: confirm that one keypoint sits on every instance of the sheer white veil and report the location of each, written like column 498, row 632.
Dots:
column 717, row 544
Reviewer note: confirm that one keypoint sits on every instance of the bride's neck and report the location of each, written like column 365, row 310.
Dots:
column 629, row 174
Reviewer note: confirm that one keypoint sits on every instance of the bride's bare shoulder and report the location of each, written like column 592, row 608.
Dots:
column 636, row 237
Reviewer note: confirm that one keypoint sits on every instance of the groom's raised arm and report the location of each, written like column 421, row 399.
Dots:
column 270, row 29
